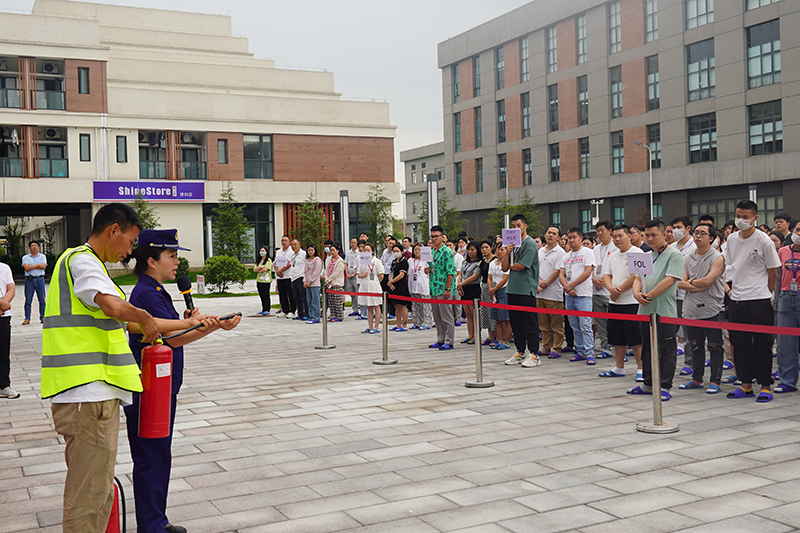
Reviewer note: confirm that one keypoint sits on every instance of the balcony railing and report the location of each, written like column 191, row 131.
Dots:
column 10, row 167
column 50, row 100
column 9, row 97
column 194, row 170
column 258, row 170
column 53, row 168
column 149, row 170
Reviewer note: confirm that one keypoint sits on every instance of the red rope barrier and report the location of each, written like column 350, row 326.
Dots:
column 373, row 294
column 544, row 311
column 734, row 326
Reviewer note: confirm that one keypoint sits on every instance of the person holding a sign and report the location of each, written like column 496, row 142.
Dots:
column 657, row 293
column 575, row 276
column 522, row 288
column 370, row 272
column 442, row 272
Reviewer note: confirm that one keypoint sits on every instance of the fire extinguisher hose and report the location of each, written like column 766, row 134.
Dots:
column 184, row 332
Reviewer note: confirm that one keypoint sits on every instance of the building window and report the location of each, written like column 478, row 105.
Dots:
column 479, row 174
column 555, row 163
column 766, row 128
column 699, row 12
column 502, row 171
column 122, row 149
column 614, row 29
column 258, row 156
column 769, row 206
column 583, row 100
column 764, row 54
column 500, row 69
column 478, row 130
column 755, row 4
column 413, row 167
column 414, row 208
column 524, row 53
column 654, row 142
column 721, row 210
column 552, row 49
column 619, row 216
column 527, row 167
column 555, row 219
column 581, row 38
column 617, row 153
column 413, row 178
column 700, row 61
column 657, row 212
column 86, row 147
column 83, row 80
column 422, row 165
column 222, row 151
column 653, row 92
column 586, row 220
column 459, row 179
column 584, row 148
column 703, row 138
column 501, row 121
column 476, row 76
column 457, row 131
column 552, row 97
column 456, row 84
column 651, row 20
column 615, row 74
column 526, row 115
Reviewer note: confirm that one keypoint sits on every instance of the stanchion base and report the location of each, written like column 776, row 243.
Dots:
column 325, row 347
column 651, row 427
column 479, row 384
column 382, row 362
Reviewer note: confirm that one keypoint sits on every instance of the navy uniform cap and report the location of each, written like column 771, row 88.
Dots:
column 160, row 238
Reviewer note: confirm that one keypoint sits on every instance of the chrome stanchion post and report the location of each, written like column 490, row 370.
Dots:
column 478, row 383
column 325, row 345
column 658, row 425
column 384, row 360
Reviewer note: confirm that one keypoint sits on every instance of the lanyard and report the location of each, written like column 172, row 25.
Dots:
column 794, row 266
column 416, row 264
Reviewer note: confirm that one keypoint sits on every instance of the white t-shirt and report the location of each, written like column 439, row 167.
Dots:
column 6, row 278
column 418, row 279
column 601, row 254
column 287, row 253
column 617, row 266
column 351, row 258
column 459, row 261
column 496, row 272
column 549, row 262
column 574, row 265
column 89, row 280
column 750, row 259
column 298, row 268
column 688, row 248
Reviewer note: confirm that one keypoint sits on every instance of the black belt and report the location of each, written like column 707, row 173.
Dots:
column 34, row 277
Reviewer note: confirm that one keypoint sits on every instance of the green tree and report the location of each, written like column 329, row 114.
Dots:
column 310, row 224
column 230, row 228
column 147, row 213
column 377, row 213
column 222, row 270
column 15, row 228
column 449, row 217
column 526, row 206
column 49, row 240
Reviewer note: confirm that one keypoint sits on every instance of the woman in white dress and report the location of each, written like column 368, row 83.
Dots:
column 418, row 284
column 371, row 276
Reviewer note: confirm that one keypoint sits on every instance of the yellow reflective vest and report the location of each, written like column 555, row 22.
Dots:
column 80, row 344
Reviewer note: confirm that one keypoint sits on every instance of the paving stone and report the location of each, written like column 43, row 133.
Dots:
column 396, row 511
column 741, row 524
column 560, row 520
column 722, row 484
column 643, row 502
column 571, row 497
column 486, row 513
column 646, row 481
column 722, row 507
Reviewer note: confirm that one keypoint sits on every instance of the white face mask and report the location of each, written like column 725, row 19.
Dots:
column 743, row 224
column 678, row 233
column 796, row 239
column 262, row 254
column 397, row 255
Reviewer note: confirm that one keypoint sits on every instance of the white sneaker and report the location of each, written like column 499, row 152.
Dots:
column 9, row 393
column 531, row 361
column 290, row 315
column 517, row 359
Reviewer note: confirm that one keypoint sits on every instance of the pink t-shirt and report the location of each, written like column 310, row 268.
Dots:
column 790, row 266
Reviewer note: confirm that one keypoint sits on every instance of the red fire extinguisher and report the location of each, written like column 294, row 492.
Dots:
column 155, row 401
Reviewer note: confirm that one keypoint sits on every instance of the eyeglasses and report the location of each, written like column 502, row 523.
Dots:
column 701, row 234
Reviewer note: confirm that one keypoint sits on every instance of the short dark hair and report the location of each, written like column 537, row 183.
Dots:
column 337, row 245
column 142, row 254
column 407, row 239
column 33, row 242
column 519, row 216
column 371, row 246
column 656, row 223
column 605, row 223
column 314, row 246
column 624, row 227
column 437, row 228
column 707, row 217
column 748, row 205
column 490, row 243
column 728, row 223
column 686, row 221
column 298, row 241
column 116, row 213
column 362, row 242
column 462, row 233
column 712, row 231
column 558, row 230
column 284, row 236
column 782, row 216
column 579, row 231
column 327, row 242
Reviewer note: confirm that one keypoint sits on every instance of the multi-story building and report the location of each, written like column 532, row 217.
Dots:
column 566, row 100
column 419, row 163
column 99, row 102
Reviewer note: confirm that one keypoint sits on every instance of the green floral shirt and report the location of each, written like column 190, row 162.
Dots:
column 443, row 265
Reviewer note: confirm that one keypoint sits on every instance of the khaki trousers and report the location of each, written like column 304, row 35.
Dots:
column 552, row 326
column 91, row 431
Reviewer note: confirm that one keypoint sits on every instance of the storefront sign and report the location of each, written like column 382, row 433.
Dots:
column 152, row 191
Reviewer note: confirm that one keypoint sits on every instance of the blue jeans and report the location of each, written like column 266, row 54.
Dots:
column 581, row 325
column 312, row 297
column 788, row 317
column 34, row 285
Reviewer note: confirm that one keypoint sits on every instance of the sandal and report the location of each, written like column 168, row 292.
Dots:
column 783, row 387
column 727, row 365
column 730, row 379
column 764, row 397
column 590, row 361
column 638, row 390
column 712, row 389
column 690, row 385
column 577, row 357
column 686, row 371
column 469, row 341
column 741, row 393
column 665, row 396
column 554, row 355
column 610, row 374
column 604, row 355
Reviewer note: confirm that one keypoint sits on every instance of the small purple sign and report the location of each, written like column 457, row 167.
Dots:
column 152, row 191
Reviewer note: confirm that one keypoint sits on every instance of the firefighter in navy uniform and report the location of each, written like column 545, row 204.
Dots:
column 156, row 262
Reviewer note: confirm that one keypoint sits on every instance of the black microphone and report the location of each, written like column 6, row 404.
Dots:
column 185, row 286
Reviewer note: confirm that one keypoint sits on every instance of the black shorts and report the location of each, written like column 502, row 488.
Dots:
column 623, row 332
column 471, row 292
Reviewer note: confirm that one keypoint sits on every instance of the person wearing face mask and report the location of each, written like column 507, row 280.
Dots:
column 263, row 268
column 398, row 286
column 755, row 265
column 684, row 243
column 371, row 275
column 789, row 312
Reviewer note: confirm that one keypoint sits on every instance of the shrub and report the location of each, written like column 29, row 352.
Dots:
column 222, row 270
column 183, row 267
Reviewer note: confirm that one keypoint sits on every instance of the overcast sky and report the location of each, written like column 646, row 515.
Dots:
column 376, row 48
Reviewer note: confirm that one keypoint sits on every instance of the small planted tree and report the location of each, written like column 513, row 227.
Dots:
column 221, row 271
column 310, row 224
column 377, row 214
column 230, row 228
column 147, row 213
column 449, row 217
column 526, row 206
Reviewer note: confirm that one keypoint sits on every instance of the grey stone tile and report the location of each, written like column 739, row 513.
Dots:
column 646, row 481
column 329, row 505
column 722, row 507
column 475, row 515
column 315, row 524
column 422, row 488
column 488, row 493
column 560, row 520
column 643, row 502
column 571, row 497
column 722, row 484
column 740, row 524
column 571, row 478
column 398, row 510
column 788, row 491
column 786, row 514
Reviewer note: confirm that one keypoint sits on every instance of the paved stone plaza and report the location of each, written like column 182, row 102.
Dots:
column 275, row 436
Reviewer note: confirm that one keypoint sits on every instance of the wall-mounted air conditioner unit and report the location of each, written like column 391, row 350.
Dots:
column 186, row 138
column 3, row 65
column 50, row 68
column 142, row 137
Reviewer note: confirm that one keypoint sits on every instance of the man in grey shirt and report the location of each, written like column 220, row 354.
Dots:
column 704, row 286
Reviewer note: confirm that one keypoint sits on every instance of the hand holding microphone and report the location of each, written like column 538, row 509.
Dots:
column 185, row 286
